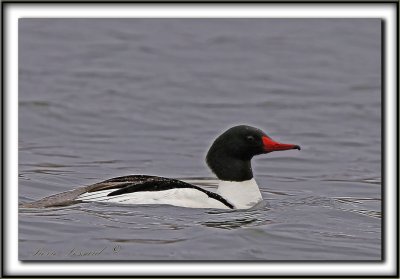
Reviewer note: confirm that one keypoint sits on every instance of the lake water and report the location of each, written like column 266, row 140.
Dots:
column 102, row 98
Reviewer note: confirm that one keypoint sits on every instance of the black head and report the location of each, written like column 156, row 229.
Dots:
column 230, row 154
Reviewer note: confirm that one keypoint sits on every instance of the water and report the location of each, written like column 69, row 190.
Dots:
column 102, row 98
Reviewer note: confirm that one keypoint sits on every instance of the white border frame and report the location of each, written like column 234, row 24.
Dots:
column 13, row 12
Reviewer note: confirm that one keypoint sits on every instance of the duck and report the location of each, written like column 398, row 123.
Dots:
column 229, row 158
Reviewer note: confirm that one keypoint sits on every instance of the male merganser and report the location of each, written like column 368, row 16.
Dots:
column 229, row 159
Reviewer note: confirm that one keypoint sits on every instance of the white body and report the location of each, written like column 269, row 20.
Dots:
column 241, row 195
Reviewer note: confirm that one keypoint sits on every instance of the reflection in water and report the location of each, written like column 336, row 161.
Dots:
column 224, row 219
column 236, row 223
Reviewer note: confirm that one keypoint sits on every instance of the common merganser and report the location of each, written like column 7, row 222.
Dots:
column 229, row 158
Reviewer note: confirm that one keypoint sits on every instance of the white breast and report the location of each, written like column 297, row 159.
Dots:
column 184, row 197
column 241, row 195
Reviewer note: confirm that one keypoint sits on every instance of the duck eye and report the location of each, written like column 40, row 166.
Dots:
column 250, row 138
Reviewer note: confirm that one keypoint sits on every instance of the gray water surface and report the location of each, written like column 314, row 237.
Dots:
column 100, row 98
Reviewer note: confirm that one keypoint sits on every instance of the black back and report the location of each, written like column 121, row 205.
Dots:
column 162, row 184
